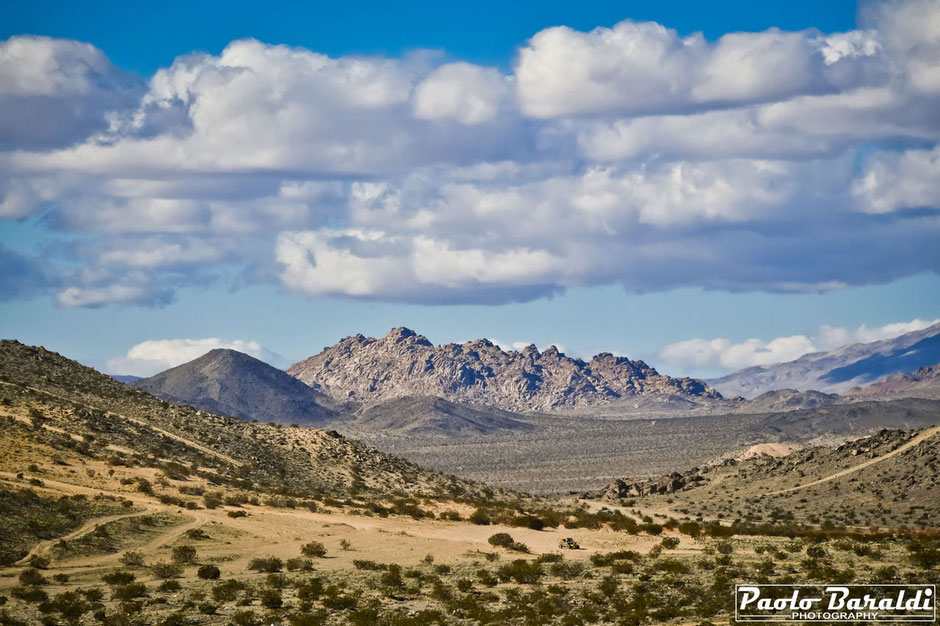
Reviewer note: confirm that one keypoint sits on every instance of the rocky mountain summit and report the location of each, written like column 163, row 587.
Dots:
column 404, row 363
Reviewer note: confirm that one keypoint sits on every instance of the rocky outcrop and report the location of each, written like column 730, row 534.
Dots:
column 788, row 400
column 404, row 363
column 672, row 483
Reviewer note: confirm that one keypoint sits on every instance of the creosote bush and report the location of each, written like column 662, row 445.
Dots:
column 314, row 549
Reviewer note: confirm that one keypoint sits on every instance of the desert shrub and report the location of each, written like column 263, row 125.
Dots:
column 670, row 543
column 724, row 547
column 344, row 545
column 174, row 619
column 208, row 572
column 166, row 498
column 522, row 571
column 611, row 557
column 32, row 577
column 245, row 618
column 38, row 561
column 29, row 594
column 271, row 599
column 169, row 586
column 608, row 586
column 333, row 598
column 276, row 581
column 61, row 578
column 212, row 500
column 184, row 555
column 502, row 540
column 527, row 521
column 314, row 549
column 885, row 574
column 568, row 570
column 70, row 605
column 298, row 564
column 673, row 566
column 235, row 499
column 266, row 564
column 311, row 589
column 197, row 534
column 453, row 516
column 364, row 564
column 129, row 591
column 237, row 514
column 391, row 579
column 227, row 591
column 816, row 552
column 479, row 517
column 166, row 570
column 132, row 559
column 118, row 578
column 93, row 595
column 924, row 553
column 487, row 578
column 207, row 608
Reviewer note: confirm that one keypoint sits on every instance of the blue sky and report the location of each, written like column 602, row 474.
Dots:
column 680, row 185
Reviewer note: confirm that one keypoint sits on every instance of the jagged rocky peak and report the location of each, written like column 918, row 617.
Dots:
column 404, row 363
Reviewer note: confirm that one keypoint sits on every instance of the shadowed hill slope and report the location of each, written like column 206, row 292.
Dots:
column 229, row 382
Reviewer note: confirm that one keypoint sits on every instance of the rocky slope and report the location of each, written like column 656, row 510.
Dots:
column 888, row 479
column 788, row 400
column 838, row 370
column 233, row 383
column 403, row 363
column 924, row 383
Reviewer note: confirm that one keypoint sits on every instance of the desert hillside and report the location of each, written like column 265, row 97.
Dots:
column 118, row 508
column 885, row 480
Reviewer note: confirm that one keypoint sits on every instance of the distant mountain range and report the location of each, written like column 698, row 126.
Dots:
column 229, row 382
column 923, row 383
column 405, row 364
column 838, row 370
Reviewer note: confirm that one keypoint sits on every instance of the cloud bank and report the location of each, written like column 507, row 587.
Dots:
column 631, row 155
column 722, row 354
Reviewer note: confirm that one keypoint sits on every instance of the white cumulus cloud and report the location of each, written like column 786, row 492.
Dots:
column 722, row 354
column 628, row 154
column 155, row 355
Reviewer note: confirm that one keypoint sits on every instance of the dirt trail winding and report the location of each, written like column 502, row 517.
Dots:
column 927, row 434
